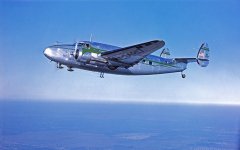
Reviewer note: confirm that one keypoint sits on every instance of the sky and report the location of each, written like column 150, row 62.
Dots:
column 27, row 27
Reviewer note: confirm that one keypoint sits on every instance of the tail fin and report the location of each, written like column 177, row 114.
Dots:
column 203, row 55
column 165, row 53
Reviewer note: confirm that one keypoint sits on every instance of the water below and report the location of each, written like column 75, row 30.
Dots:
column 28, row 125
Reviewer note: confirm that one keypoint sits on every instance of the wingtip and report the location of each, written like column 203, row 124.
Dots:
column 161, row 41
column 155, row 41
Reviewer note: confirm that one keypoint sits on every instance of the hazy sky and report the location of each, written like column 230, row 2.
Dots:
column 26, row 28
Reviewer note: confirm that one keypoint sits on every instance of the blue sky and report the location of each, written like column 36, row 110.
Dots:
column 26, row 28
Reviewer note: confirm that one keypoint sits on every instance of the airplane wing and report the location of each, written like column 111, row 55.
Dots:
column 129, row 56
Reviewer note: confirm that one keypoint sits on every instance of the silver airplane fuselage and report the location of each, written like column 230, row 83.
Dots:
column 89, row 58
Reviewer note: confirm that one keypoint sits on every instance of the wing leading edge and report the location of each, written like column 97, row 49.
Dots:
column 131, row 55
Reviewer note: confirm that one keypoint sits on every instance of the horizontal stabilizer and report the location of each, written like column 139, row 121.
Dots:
column 186, row 60
column 202, row 57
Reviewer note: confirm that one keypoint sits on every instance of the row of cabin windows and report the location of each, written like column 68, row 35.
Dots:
column 147, row 62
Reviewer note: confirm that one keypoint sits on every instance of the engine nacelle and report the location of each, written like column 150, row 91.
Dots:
column 91, row 58
column 79, row 56
column 86, row 57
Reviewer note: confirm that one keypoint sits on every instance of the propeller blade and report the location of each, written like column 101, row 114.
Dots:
column 76, row 51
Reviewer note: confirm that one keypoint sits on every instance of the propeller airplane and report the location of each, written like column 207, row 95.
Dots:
column 130, row 60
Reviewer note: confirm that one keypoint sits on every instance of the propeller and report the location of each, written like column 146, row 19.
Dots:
column 91, row 37
column 76, row 51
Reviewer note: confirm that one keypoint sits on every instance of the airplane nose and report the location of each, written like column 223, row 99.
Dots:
column 47, row 52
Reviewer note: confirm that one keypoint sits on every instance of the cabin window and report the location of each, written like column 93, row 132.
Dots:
column 150, row 63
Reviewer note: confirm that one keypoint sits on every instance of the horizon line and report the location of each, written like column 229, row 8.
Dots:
column 220, row 103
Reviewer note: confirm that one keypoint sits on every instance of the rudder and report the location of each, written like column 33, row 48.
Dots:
column 203, row 55
column 165, row 53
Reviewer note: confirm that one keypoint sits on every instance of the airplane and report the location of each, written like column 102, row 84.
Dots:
column 130, row 60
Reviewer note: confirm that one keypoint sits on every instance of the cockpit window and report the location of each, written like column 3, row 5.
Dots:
column 87, row 45
column 80, row 44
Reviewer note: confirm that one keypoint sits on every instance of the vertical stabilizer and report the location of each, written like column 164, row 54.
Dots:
column 165, row 53
column 203, row 55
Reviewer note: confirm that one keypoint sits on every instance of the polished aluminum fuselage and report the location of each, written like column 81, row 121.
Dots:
column 151, row 64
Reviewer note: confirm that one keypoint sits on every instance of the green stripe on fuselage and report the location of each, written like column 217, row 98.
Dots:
column 160, row 63
column 92, row 50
